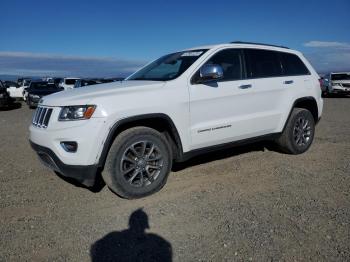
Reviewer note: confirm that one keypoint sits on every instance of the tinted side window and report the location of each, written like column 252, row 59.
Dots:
column 262, row 63
column 292, row 65
column 231, row 62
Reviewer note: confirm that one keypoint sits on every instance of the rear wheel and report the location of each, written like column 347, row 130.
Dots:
column 299, row 132
column 138, row 163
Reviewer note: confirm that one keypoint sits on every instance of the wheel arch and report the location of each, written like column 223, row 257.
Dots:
column 308, row 103
column 158, row 121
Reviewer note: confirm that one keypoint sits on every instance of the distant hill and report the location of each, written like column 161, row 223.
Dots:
column 15, row 77
column 8, row 77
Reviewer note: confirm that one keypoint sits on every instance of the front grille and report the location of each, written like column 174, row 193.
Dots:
column 346, row 85
column 41, row 117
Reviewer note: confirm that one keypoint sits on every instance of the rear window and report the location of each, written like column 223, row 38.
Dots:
column 262, row 63
column 337, row 77
column 292, row 65
column 70, row 81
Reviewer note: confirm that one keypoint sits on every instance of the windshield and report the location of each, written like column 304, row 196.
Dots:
column 337, row 77
column 168, row 67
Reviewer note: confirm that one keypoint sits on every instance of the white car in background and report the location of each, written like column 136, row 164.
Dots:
column 68, row 83
column 18, row 91
column 337, row 83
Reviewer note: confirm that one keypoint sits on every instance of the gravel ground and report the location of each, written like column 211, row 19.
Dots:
column 245, row 204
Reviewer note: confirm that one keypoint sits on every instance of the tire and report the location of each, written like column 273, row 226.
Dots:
column 138, row 163
column 299, row 132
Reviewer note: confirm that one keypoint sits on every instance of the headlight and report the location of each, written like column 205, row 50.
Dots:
column 76, row 112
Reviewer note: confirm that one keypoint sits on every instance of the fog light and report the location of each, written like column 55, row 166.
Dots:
column 69, row 146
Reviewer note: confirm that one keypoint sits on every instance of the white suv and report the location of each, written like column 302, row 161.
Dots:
column 177, row 106
column 337, row 83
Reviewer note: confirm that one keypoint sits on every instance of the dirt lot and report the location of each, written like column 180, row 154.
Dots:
column 247, row 204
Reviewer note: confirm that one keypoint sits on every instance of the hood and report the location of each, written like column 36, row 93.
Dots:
column 85, row 95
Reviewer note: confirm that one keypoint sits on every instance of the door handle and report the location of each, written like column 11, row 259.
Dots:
column 288, row 82
column 245, row 86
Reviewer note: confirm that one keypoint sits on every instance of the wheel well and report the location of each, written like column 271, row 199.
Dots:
column 310, row 104
column 161, row 123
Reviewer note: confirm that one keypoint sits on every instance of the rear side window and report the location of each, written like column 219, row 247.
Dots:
column 292, row 65
column 262, row 63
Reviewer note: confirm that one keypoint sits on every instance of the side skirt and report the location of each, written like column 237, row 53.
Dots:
column 187, row 155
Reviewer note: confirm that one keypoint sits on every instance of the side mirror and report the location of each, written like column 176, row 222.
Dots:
column 210, row 72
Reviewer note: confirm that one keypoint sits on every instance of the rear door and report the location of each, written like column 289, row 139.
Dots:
column 274, row 89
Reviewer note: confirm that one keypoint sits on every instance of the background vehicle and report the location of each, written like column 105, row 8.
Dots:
column 38, row 89
column 5, row 99
column 89, row 82
column 337, row 83
column 14, row 89
column 23, row 85
column 86, row 82
column 68, row 83
column 17, row 92
column 10, row 84
column 23, row 81
column 180, row 105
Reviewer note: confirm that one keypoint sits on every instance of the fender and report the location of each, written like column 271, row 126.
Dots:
column 113, row 132
column 301, row 100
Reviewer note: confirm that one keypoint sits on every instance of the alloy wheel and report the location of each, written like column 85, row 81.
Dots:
column 302, row 131
column 141, row 163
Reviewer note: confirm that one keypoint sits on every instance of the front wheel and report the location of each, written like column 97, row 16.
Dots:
column 299, row 132
column 138, row 163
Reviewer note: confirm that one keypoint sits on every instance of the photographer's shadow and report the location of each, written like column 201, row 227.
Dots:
column 132, row 244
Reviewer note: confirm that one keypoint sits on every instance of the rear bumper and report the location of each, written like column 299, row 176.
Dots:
column 85, row 175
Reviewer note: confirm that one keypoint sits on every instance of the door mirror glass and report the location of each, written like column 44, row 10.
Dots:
column 210, row 72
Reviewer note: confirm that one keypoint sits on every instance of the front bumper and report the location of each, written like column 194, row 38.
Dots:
column 85, row 175
column 339, row 90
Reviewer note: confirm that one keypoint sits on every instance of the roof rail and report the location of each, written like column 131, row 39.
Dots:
column 252, row 43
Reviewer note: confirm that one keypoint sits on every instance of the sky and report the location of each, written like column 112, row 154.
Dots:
column 114, row 38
